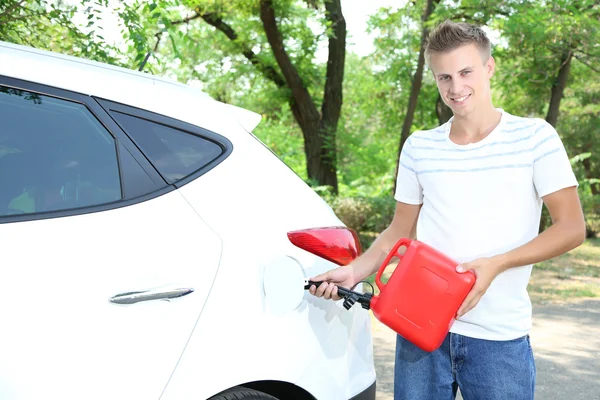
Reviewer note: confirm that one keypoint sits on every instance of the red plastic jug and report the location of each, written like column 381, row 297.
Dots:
column 423, row 294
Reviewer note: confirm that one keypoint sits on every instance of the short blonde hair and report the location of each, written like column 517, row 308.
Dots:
column 450, row 35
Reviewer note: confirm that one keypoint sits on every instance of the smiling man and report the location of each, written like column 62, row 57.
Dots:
column 473, row 188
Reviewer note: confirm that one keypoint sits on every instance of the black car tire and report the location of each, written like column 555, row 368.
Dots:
column 242, row 393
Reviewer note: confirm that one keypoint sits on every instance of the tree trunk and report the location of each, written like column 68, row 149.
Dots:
column 589, row 174
column 587, row 166
column 558, row 87
column 318, row 129
column 332, row 96
column 444, row 113
column 416, row 85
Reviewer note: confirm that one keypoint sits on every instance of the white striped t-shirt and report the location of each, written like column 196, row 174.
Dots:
column 483, row 199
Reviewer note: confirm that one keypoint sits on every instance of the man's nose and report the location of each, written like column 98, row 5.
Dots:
column 456, row 87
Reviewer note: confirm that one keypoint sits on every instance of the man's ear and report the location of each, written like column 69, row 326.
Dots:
column 490, row 67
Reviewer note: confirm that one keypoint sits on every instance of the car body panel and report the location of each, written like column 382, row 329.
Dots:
column 62, row 337
column 216, row 234
column 336, row 343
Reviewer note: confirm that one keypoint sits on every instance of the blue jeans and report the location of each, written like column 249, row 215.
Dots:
column 483, row 369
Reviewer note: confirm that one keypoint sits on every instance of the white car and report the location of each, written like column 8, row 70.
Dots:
column 140, row 222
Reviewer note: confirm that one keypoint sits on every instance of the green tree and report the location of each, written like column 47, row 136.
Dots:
column 257, row 37
column 49, row 26
column 399, row 52
column 578, row 126
column 548, row 70
column 542, row 41
column 417, row 78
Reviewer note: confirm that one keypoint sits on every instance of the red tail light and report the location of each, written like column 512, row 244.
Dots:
column 336, row 244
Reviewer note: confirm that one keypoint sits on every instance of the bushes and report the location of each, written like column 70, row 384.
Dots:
column 364, row 214
column 592, row 225
column 591, row 211
column 368, row 216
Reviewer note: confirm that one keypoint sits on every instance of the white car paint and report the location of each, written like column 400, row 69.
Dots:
column 61, row 337
column 216, row 234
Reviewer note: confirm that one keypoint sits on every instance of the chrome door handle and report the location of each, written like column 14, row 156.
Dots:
column 151, row 294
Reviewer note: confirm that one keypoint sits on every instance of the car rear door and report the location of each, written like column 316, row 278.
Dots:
column 105, row 266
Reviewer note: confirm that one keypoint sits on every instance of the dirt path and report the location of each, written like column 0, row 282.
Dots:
column 566, row 345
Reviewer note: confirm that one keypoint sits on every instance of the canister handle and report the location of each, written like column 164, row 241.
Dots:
column 402, row 242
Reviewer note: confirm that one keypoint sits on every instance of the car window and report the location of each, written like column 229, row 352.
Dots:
column 175, row 153
column 54, row 155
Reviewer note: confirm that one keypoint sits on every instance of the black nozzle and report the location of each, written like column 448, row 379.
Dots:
column 365, row 300
column 350, row 297
column 350, row 300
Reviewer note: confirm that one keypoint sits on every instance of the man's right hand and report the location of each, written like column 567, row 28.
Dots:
column 403, row 225
column 341, row 276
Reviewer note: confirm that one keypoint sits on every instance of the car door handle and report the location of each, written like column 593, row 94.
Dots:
column 151, row 294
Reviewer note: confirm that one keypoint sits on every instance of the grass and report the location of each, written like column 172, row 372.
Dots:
column 573, row 275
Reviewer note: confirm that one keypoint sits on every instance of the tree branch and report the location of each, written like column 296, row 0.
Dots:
column 489, row 12
column 10, row 9
column 186, row 20
column 589, row 7
column 469, row 18
column 307, row 111
column 580, row 59
column 558, row 87
column 468, row 13
column 20, row 17
column 333, row 96
column 158, row 38
column 586, row 53
column 417, row 80
column 217, row 22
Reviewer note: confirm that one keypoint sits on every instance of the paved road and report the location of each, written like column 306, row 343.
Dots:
column 566, row 344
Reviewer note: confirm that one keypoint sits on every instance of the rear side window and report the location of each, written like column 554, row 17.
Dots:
column 175, row 153
column 54, row 155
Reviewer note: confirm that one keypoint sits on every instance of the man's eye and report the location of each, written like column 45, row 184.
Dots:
column 444, row 78
column 466, row 72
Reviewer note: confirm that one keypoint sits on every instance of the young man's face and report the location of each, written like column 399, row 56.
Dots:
column 463, row 78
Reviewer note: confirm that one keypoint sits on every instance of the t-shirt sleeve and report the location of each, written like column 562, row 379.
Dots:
column 552, row 169
column 408, row 188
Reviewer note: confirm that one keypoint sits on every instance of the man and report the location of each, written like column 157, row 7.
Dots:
column 473, row 189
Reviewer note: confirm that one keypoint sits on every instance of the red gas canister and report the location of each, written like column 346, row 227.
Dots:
column 423, row 294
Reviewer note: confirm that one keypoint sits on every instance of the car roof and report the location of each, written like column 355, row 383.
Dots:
column 118, row 84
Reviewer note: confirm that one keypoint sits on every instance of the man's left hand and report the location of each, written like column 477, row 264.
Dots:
column 485, row 269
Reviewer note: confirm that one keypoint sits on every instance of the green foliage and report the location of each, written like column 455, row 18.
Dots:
column 395, row 61
column 366, row 139
column 186, row 47
column 368, row 216
column 536, row 37
column 49, row 26
column 281, row 134
column 590, row 200
column 169, row 37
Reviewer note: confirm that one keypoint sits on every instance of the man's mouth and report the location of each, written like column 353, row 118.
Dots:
column 460, row 99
